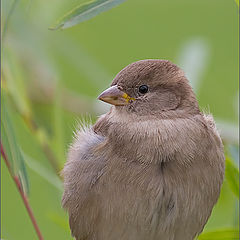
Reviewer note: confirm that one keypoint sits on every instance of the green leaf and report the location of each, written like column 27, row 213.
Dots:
column 232, row 176
column 85, row 12
column 237, row 2
column 226, row 234
column 11, row 147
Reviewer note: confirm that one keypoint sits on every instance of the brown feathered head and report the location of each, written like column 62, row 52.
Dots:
column 151, row 87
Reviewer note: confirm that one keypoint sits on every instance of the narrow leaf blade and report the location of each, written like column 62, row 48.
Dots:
column 85, row 12
column 12, row 149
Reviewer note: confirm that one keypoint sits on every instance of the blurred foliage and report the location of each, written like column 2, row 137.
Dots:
column 51, row 78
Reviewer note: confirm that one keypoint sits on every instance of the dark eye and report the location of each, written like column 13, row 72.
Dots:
column 143, row 89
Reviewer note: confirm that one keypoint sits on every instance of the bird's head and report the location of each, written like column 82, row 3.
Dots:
column 151, row 87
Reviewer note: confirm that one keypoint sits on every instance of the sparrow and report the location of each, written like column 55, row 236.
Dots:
column 149, row 169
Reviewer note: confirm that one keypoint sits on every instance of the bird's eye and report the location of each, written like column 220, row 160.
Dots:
column 143, row 89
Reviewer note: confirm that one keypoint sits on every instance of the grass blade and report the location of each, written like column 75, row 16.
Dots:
column 85, row 12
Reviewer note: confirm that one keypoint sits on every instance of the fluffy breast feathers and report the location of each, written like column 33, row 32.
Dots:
column 149, row 176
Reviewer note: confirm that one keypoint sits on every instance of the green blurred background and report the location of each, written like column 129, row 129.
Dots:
column 51, row 80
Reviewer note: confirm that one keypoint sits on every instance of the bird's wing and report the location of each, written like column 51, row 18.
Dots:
column 84, row 167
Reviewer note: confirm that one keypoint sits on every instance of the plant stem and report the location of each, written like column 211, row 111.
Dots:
column 23, row 196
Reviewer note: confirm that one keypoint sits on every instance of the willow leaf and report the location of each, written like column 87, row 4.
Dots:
column 11, row 147
column 85, row 12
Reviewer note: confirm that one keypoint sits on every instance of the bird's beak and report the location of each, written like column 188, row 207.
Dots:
column 115, row 96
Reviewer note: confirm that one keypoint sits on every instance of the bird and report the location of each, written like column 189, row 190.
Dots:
column 149, row 169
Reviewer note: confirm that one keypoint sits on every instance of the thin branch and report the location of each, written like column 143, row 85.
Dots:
column 23, row 196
